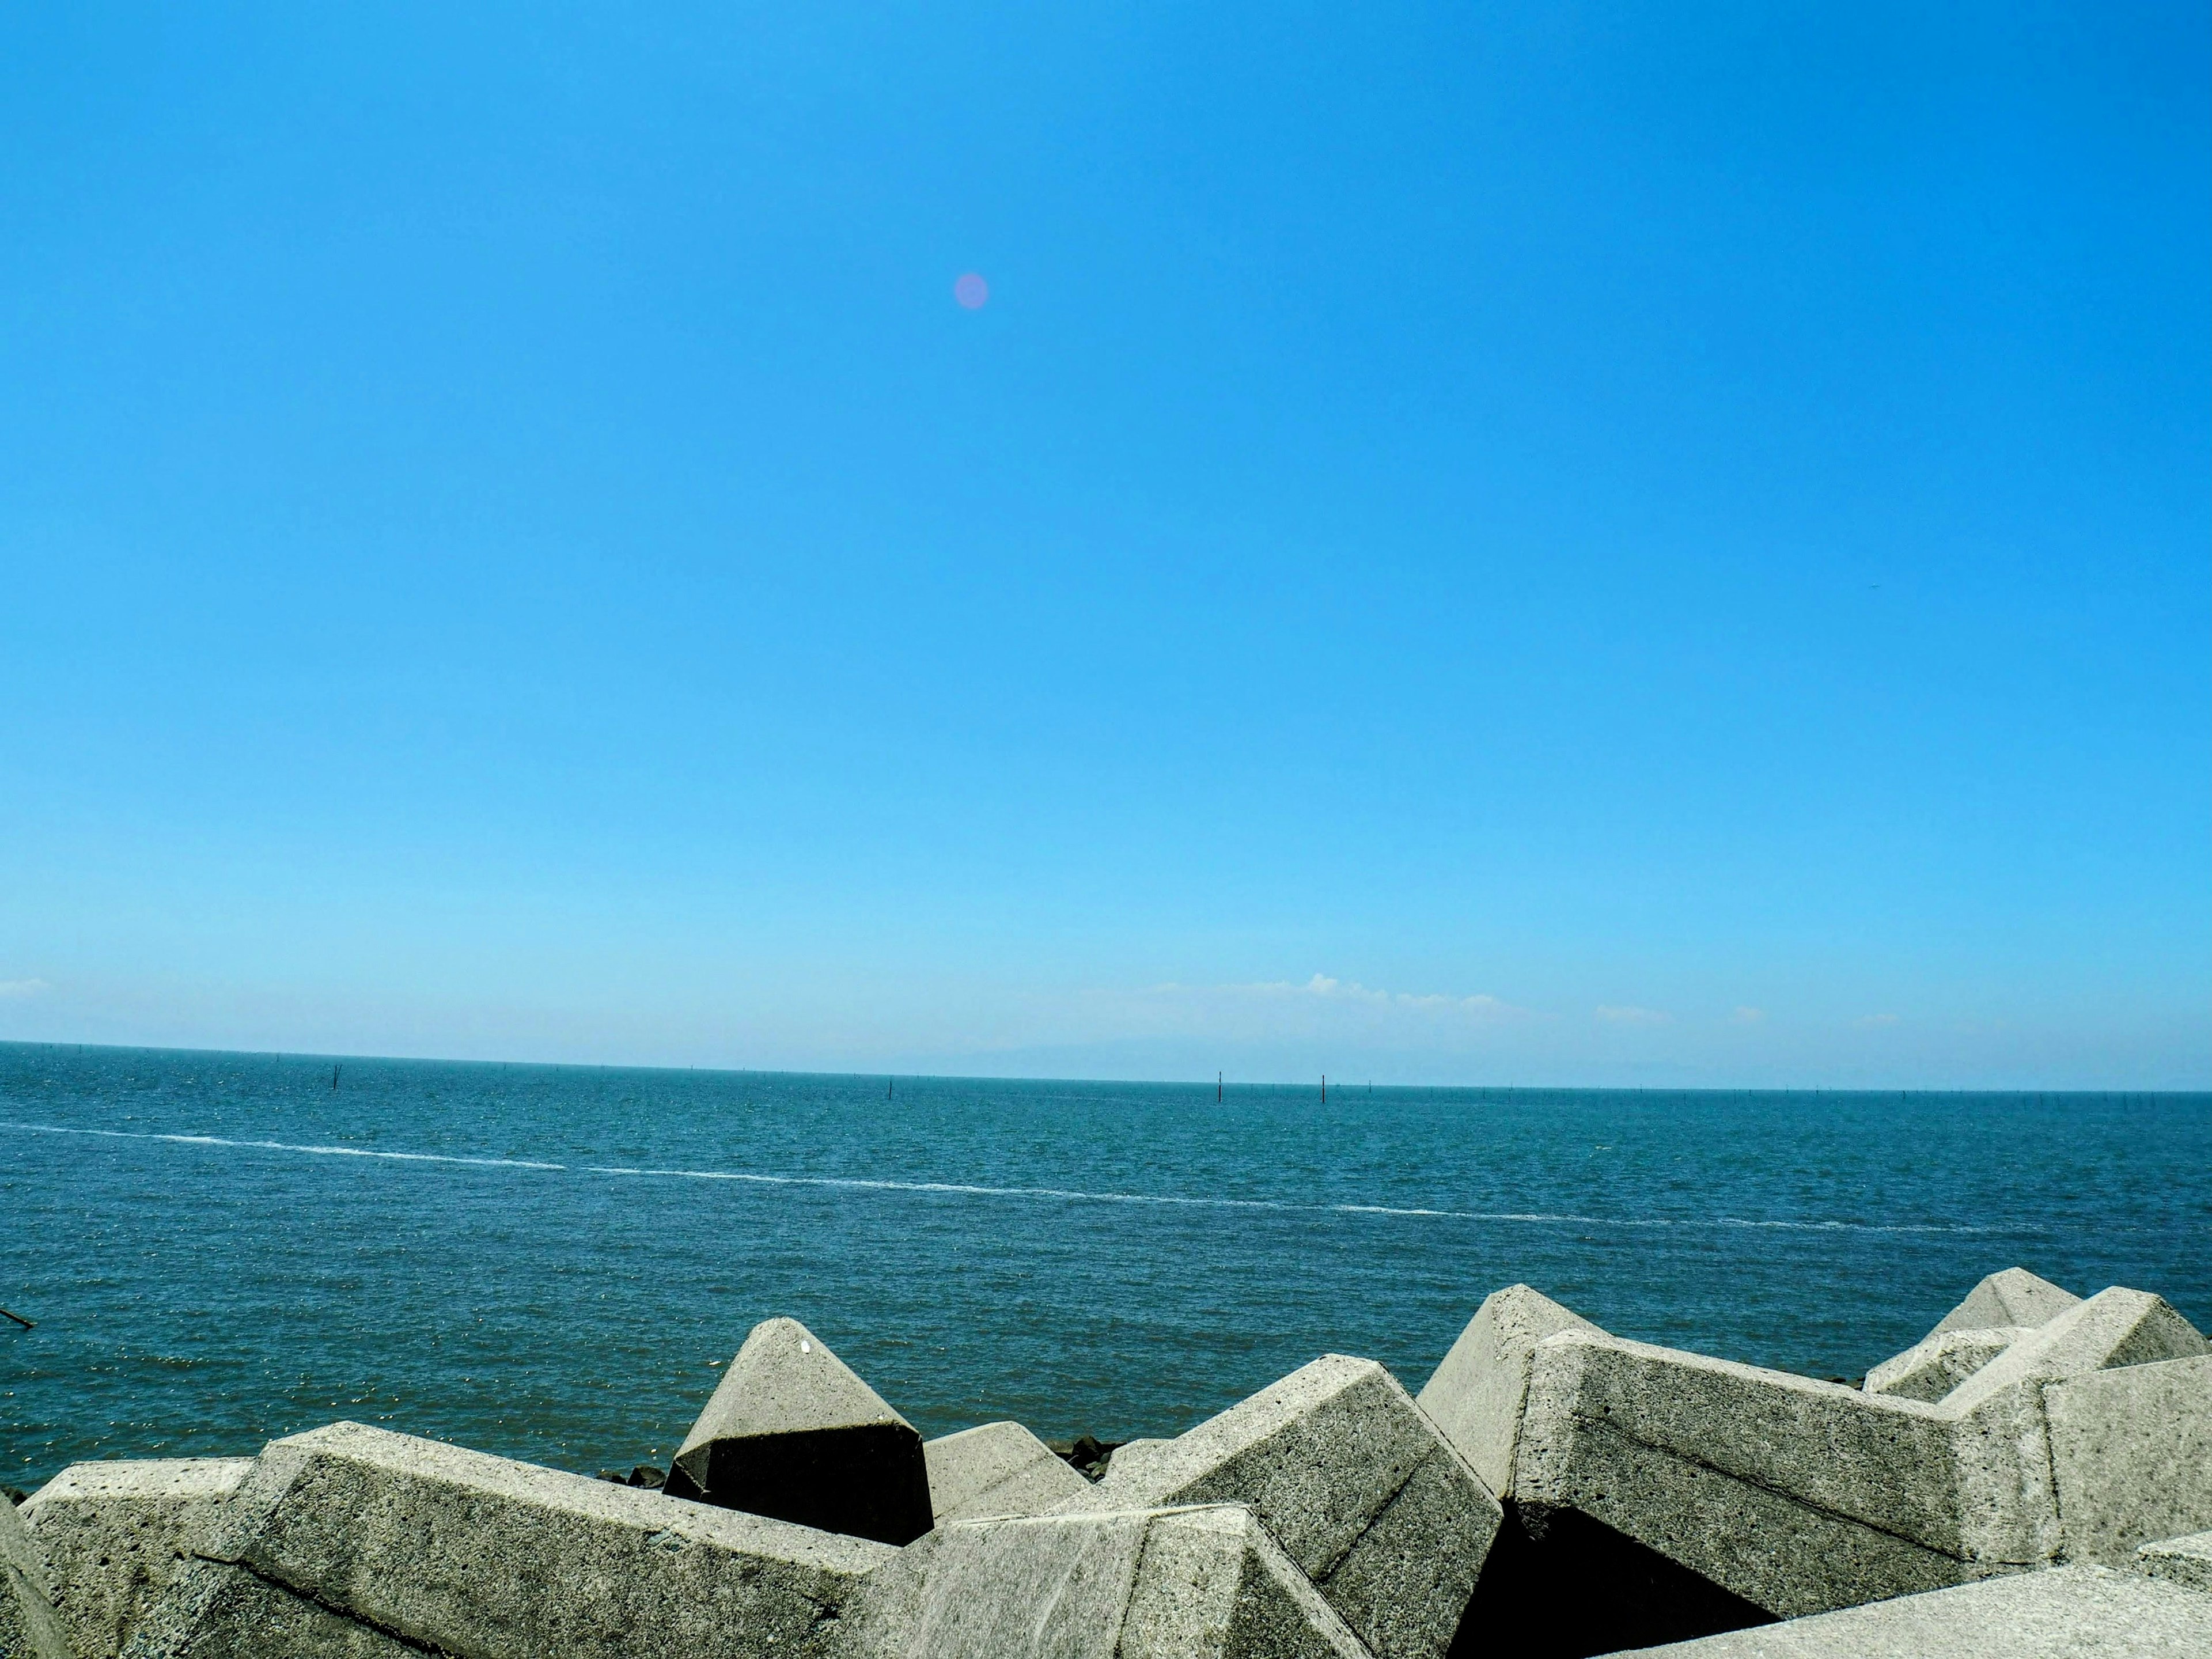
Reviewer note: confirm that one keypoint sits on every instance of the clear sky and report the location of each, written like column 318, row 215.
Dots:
column 1482, row 542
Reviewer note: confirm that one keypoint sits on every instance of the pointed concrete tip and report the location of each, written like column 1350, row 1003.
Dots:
column 2014, row 1296
column 785, row 1381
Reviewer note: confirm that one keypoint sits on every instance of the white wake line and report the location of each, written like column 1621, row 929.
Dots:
column 1540, row 1218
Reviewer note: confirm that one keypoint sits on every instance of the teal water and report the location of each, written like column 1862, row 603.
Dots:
column 542, row 1261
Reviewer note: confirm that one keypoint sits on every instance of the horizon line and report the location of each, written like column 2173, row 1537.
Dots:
column 1308, row 1084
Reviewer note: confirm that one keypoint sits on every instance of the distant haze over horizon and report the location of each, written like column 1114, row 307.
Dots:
column 1596, row 546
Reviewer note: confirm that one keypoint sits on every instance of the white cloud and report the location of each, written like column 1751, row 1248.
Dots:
column 1749, row 1016
column 22, row 987
column 1321, row 1007
column 1626, row 1014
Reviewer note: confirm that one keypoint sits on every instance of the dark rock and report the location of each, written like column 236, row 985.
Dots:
column 16, row 1494
column 649, row 1477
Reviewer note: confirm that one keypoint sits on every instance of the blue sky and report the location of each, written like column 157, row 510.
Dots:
column 1492, row 543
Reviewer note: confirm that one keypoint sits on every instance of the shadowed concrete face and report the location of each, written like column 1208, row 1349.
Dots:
column 2068, row 1613
column 1000, row 1468
column 1355, row 1483
column 1205, row 1583
column 29, row 1626
column 1935, row 1365
column 459, row 1552
column 792, row 1432
column 116, row 1534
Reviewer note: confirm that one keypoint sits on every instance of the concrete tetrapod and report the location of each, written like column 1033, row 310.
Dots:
column 1798, row 1496
column 792, row 1432
column 116, row 1533
column 2065, row 1612
column 999, row 1469
column 352, row 1539
column 1352, row 1479
column 28, row 1628
column 1198, row 1582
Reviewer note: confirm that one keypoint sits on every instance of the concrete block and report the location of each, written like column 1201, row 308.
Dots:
column 1934, row 1365
column 1361, row 1490
column 2186, row 1561
column 2068, row 1613
column 29, row 1626
column 791, row 1432
column 469, row 1554
column 1000, row 1468
column 2114, row 1327
column 1783, row 1491
column 2131, row 1452
column 1202, row 1582
column 116, row 1533
column 1476, row 1394
column 2014, row 1296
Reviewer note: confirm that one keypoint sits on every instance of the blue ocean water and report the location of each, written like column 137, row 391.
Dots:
column 544, row 1261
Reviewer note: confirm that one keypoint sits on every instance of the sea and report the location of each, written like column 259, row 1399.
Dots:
column 550, row 1262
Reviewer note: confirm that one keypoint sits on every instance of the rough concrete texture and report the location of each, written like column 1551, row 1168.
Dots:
column 1000, row 1468
column 211, row 1611
column 2186, row 1561
column 794, row 1433
column 114, row 1535
column 1203, row 1583
column 2068, row 1613
column 468, row 1554
column 1803, row 1497
column 2131, row 1451
column 2014, row 1296
column 29, row 1627
column 1356, row 1484
column 1935, row 1365
column 1476, row 1396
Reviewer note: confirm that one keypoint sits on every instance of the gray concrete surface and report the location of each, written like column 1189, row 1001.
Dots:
column 1203, row 1583
column 1476, row 1396
column 794, row 1433
column 2013, row 1296
column 114, row 1535
column 29, row 1626
column 1803, row 1497
column 211, row 1611
column 1935, row 1365
column 2131, row 1452
column 2186, row 1561
column 1361, row 1490
column 475, row 1555
column 999, row 1469
column 2066, row 1613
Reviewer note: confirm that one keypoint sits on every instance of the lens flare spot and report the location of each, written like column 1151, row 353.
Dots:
column 971, row 290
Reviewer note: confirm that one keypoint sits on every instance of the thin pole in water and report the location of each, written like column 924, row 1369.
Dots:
column 27, row 1324
column 335, row 1070
column 1216, row 1088
column 1324, row 1088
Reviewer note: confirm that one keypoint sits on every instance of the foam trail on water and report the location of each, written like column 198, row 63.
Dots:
column 1531, row 1218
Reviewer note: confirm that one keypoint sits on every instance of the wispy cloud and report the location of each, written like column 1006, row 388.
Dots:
column 1321, row 1007
column 1878, row 1019
column 1627, row 1014
column 22, row 987
column 1748, row 1016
